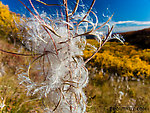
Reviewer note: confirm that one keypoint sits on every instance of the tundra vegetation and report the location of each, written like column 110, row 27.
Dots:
column 43, row 62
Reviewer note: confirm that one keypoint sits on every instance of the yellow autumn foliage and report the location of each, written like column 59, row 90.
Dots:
column 8, row 21
column 125, row 60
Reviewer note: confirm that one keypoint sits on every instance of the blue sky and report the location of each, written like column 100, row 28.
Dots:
column 125, row 10
column 128, row 14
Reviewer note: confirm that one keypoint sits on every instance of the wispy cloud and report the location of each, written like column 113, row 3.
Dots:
column 124, row 26
column 128, row 28
column 133, row 22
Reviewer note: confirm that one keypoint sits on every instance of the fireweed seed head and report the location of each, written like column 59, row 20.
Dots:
column 58, row 70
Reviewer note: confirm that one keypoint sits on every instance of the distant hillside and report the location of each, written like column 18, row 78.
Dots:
column 139, row 38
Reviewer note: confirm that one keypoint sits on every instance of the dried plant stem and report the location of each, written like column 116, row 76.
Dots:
column 104, row 23
column 66, row 12
column 19, row 54
column 93, row 2
column 48, row 4
column 75, row 8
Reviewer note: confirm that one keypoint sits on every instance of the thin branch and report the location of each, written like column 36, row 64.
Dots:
column 58, row 102
column 18, row 54
column 48, row 4
column 51, row 30
column 75, row 8
column 27, row 8
column 35, row 10
column 95, row 18
column 88, row 11
column 66, row 11
column 104, row 23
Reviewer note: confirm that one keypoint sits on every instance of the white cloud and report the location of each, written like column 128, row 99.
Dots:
column 128, row 28
column 124, row 26
column 133, row 22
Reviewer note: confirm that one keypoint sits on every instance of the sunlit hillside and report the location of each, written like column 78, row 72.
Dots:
column 121, row 59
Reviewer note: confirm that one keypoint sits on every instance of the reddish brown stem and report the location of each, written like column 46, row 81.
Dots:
column 18, row 54
column 66, row 11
